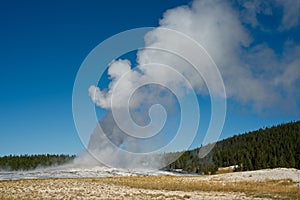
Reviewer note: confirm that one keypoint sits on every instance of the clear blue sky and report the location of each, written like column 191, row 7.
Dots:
column 42, row 45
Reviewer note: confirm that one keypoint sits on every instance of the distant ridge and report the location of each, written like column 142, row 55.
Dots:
column 278, row 146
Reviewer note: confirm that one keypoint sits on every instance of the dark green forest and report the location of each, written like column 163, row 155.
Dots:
column 277, row 146
column 28, row 162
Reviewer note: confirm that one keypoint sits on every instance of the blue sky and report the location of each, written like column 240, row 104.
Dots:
column 42, row 45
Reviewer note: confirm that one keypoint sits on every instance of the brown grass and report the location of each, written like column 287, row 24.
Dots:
column 84, row 187
column 285, row 188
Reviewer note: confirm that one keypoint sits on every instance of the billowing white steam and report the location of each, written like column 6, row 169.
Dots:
column 253, row 73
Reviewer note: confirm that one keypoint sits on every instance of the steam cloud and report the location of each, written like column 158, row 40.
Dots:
column 254, row 73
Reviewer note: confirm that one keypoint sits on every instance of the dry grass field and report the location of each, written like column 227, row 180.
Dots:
column 154, row 187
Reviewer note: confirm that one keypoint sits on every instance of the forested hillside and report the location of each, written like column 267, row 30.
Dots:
column 278, row 146
column 27, row 162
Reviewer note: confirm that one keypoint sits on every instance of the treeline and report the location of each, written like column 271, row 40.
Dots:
column 278, row 146
column 29, row 162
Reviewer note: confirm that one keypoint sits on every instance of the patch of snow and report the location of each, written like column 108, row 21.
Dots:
column 260, row 175
column 78, row 172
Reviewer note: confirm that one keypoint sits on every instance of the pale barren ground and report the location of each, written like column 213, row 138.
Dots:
column 263, row 184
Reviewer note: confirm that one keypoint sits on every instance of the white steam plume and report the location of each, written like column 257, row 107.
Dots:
column 253, row 72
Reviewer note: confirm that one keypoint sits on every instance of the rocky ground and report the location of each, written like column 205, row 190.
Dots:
column 262, row 184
